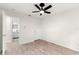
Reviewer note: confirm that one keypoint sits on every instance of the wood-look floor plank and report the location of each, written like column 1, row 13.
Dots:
column 38, row 47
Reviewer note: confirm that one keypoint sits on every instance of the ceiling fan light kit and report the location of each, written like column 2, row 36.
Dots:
column 42, row 9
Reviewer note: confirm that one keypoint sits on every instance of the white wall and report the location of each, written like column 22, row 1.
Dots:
column 29, row 27
column 63, row 29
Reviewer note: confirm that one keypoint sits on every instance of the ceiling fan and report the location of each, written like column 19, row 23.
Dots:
column 41, row 8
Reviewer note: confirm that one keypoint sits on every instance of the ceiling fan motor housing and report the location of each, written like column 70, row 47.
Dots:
column 42, row 4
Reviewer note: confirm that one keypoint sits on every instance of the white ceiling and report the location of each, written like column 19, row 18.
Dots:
column 27, row 8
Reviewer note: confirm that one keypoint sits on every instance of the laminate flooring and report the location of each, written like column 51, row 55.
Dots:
column 38, row 47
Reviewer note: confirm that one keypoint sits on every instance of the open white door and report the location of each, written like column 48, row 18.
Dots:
column 6, row 30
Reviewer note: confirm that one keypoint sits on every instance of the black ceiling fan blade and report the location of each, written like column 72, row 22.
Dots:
column 47, row 7
column 37, row 6
column 47, row 12
column 35, row 11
